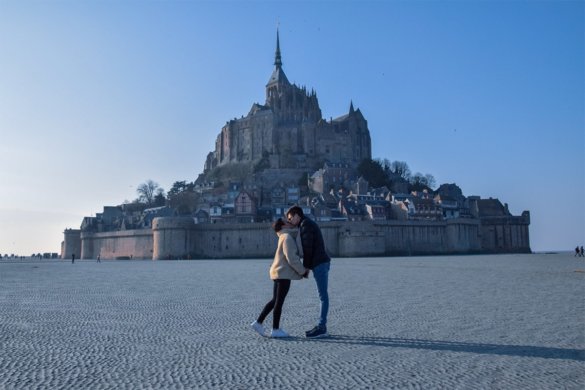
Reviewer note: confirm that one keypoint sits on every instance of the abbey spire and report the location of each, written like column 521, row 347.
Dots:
column 277, row 58
column 278, row 78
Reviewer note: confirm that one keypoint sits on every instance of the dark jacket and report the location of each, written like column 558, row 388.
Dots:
column 313, row 246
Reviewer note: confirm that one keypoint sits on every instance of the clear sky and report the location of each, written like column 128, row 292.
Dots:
column 97, row 97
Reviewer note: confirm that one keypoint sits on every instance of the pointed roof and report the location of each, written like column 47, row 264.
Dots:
column 278, row 76
column 352, row 111
column 277, row 58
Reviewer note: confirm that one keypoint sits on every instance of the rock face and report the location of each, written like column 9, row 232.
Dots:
column 288, row 132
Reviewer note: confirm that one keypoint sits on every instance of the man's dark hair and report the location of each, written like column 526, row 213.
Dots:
column 295, row 210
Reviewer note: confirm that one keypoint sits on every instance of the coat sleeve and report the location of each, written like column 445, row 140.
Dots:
column 292, row 256
column 307, row 240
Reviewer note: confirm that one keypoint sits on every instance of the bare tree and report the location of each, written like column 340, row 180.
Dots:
column 401, row 168
column 420, row 181
column 430, row 180
column 417, row 179
column 147, row 192
column 385, row 164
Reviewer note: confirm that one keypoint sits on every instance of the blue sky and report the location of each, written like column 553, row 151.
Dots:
column 97, row 97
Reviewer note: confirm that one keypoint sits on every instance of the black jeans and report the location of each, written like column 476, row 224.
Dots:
column 280, row 290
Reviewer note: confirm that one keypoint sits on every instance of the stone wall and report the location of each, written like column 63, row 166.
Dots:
column 237, row 241
column 125, row 244
column 505, row 234
column 173, row 238
column 463, row 235
column 355, row 243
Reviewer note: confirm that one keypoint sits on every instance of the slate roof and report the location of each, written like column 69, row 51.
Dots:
column 491, row 208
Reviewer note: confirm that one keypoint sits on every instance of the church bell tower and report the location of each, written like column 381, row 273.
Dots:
column 278, row 81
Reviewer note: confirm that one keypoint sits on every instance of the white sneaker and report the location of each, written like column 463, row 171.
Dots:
column 278, row 333
column 258, row 328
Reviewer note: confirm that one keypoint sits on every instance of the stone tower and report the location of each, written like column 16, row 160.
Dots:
column 289, row 103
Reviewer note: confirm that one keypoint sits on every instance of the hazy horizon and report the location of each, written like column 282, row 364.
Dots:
column 98, row 97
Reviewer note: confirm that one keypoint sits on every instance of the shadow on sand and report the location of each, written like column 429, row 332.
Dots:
column 493, row 349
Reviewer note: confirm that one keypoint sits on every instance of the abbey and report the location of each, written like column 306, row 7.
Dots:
column 283, row 153
column 288, row 131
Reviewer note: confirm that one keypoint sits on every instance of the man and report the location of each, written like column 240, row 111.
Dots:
column 317, row 260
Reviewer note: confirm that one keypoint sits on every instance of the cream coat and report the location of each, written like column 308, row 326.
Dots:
column 287, row 264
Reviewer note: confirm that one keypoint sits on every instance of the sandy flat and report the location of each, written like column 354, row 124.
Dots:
column 451, row 322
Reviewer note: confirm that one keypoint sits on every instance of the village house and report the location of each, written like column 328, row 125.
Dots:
column 449, row 205
column 426, row 208
column 376, row 211
column 245, row 207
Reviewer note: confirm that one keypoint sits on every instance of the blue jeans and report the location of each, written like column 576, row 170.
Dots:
column 321, row 275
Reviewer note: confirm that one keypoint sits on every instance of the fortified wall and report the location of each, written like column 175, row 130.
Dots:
column 505, row 234
column 71, row 244
column 181, row 238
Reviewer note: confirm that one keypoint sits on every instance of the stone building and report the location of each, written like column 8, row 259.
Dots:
column 288, row 135
column 332, row 176
column 245, row 207
column 263, row 162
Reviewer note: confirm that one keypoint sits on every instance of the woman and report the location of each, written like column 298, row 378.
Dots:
column 286, row 266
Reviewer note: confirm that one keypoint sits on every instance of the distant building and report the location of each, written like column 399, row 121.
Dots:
column 376, row 212
column 283, row 153
column 322, row 213
column 245, row 207
column 149, row 214
column 426, row 209
column 332, row 176
column 286, row 137
column 449, row 205
column 201, row 216
column 215, row 212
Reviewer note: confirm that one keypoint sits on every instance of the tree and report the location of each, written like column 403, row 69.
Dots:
column 373, row 172
column 401, row 169
column 160, row 199
column 147, row 192
column 430, row 180
column 419, row 182
column 417, row 179
column 178, row 187
column 183, row 198
column 385, row 164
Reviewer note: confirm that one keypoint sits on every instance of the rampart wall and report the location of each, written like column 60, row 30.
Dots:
column 172, row 238
column 125, row 244
column 505, row 234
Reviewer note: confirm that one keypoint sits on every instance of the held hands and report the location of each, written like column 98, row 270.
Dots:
column 306, row 274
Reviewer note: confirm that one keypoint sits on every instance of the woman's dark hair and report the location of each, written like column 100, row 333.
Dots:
column 295, row 210
column 278, row 224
